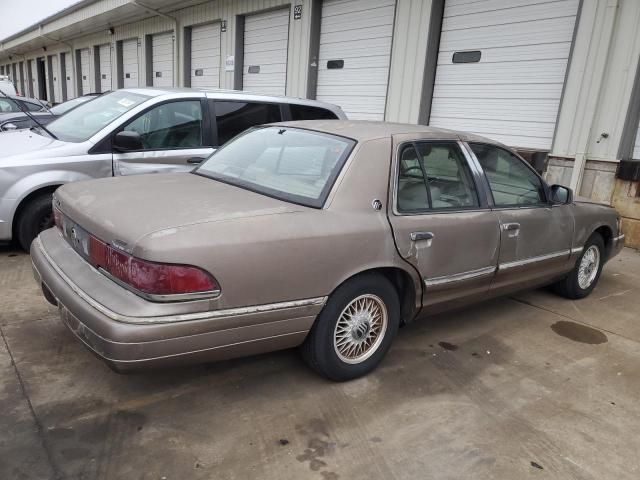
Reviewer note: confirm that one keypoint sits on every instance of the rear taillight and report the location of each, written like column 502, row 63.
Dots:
column 157, row 281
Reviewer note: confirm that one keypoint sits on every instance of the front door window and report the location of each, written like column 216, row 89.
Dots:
column 171, row 125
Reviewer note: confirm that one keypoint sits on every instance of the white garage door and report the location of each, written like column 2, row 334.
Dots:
column 162, row 61
column 68, row 75
column 205, row 56
column 55, row 72
column 34, row 78
column 266, row 36
column 85, row 71
column 47, row 78
column 355, row 51
column 517, row 53
column 130, row 63
column 104, row 52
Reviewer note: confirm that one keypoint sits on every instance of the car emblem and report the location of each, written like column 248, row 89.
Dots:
column 376, row 204
column 74, row 235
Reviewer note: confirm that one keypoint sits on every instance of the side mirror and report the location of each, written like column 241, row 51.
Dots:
column 127, row 141
column 561, row 195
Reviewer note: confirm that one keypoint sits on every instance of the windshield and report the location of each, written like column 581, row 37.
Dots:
column 296, row 165
column 83, row 122
column 66, row 106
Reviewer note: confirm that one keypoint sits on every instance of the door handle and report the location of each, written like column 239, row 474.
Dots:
column 509, row 227
column 417, row 236
column 195, row 160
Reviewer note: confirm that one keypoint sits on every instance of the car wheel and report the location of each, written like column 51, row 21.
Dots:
column 355, row 328
column 586, row 273
column 36, row 216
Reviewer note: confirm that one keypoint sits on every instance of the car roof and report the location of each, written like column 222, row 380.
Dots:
column 232, row 95
column 363, row 130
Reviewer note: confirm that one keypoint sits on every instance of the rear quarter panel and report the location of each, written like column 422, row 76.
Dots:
column 591, row 216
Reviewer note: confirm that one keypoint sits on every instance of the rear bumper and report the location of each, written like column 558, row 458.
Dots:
column 128, row 342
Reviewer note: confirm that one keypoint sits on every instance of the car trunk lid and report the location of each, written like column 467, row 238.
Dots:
column 122, row 210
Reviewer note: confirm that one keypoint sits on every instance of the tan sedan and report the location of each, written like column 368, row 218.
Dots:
column 325, row 234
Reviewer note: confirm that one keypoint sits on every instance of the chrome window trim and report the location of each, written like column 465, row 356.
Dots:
column 459, row 277
column 530, row 260
column 208, row 315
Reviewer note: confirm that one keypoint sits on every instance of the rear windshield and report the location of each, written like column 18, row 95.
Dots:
column 83, row 122
column 291, row 164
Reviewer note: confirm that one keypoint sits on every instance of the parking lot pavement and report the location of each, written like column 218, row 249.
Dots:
column 522, row 387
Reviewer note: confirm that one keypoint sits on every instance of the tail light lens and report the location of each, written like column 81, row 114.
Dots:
column 157, row 281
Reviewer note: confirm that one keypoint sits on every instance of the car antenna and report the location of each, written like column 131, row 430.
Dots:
column 28, row 114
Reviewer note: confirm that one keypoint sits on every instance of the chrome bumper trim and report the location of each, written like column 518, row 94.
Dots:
column 618, row 239
column 539, row 258
column 230, row 312
column 459, row 277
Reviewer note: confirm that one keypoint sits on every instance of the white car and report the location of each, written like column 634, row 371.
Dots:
column 126, row 132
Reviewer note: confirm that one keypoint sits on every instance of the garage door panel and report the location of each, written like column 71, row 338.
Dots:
column 381, row 16
column 356, row 49
column 494, row 129
column 515, row 109
column 335, row 8
column 359, row 33
column 547, row 71
column 356, row 76
column 549, row 31
column 467, row 7
column 524, row 90
column 513, row 93
column 519, row 53
column 529, row 13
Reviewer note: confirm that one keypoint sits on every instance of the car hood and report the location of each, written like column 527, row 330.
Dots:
column 126, row 209
column 24, row 144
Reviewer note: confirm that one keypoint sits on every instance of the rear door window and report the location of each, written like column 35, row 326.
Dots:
column 434, row 176
column 233, row 118
column 307, row 112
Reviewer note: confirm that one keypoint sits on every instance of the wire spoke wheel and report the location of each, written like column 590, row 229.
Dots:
column 360, row 329
column 589, row 265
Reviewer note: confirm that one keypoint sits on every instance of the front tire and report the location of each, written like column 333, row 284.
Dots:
column 355, row 328
column 36, row 216
column 586, row 273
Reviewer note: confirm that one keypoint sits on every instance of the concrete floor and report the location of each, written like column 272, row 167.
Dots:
column 533, row 386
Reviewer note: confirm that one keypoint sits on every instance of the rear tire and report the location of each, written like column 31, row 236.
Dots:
column 586, row 273
column 35, row 217
column 355, row 328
